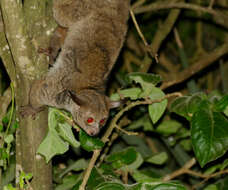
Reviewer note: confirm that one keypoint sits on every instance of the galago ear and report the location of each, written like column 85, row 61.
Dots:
column 75, row 98
column 114, row 104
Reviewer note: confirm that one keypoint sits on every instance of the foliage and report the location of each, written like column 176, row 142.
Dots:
column 171, row 132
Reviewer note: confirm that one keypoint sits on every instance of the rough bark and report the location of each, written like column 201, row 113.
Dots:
column 27, row 26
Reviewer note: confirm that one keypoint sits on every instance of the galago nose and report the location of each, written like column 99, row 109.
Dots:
column 93, row 131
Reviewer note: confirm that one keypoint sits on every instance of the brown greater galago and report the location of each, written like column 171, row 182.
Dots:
column 95, row 32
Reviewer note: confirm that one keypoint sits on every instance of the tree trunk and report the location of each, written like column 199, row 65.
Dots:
column 27, row 26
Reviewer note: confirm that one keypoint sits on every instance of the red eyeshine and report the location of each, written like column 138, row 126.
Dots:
column 102, row 121
column 90, row 120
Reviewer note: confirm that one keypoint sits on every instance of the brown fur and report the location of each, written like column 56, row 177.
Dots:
column 95, row 33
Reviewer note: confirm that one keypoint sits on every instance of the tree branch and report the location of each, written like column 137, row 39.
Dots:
column 159, row 6
column 111, row 127
column 219, row 18
column 204, row 62
column 164, row 30
column 19, row 43
column 186, row 170
column 161, row 34
column 181, row 171
column 24, row 37
column 5, row 52
column 5, row 101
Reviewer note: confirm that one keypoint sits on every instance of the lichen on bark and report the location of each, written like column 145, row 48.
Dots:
column 26, row 27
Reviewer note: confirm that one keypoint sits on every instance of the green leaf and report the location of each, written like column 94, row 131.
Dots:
column 125, row 158
column 68, row 182
column 110, row 186
column 209, row 133
column 89, row 143
column 222, row 104
column 21, row 180
column 139, row 144
column 9, row 139
column 95, row 179
column 226, row 111
column 28, row 176
column 222, row 184
column 211, row 187
column 9, row 174
column 183, row 133
column 52, row 120
column 107, row 169
column 212, row 169
column 5, row 119
column 52, row 145
column 132, row 93
column 79, row 165
column 224, row 165
column 156, row 110
column 142, row 177
column 158, row 159
column 168, row 127
column 144, row 122
column 77, row 185
column 156, row 186
column 186, row 144
column 65, row 131
column 134, row 165
column 9, row 187
column 144, row 79
column 4, row 154
column 14, row 127
column 136, row 186
column 169, row 186
column 186, row 106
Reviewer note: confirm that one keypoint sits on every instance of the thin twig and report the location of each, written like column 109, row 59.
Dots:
column 158, row 6
column 186, row 170
column 69, row 120
column 199, row 35
column 154, row 55
column 204, row 62
column 126, row 132
column 130, row 106
column 138, row 3
column 27, row 182
column 211, row 4
column 112, row 125
column 150, row 143
column 92, row 162
column 112, row 139
column 207, row 177
column 138, row 28
column 123, row 122
column 125, row 176
column 177, row 38
column 218, row 17
column 5, row 100
column 181, row 171
column 161, row 34
column 12, row 108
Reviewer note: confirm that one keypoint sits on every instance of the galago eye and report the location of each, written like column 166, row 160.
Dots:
column 102, row 121
column 90, row 120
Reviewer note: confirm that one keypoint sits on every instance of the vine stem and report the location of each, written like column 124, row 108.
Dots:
column 111, row 127
column 12, row 109
column 142, row 36
column 69, row 120
column 186, row 169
